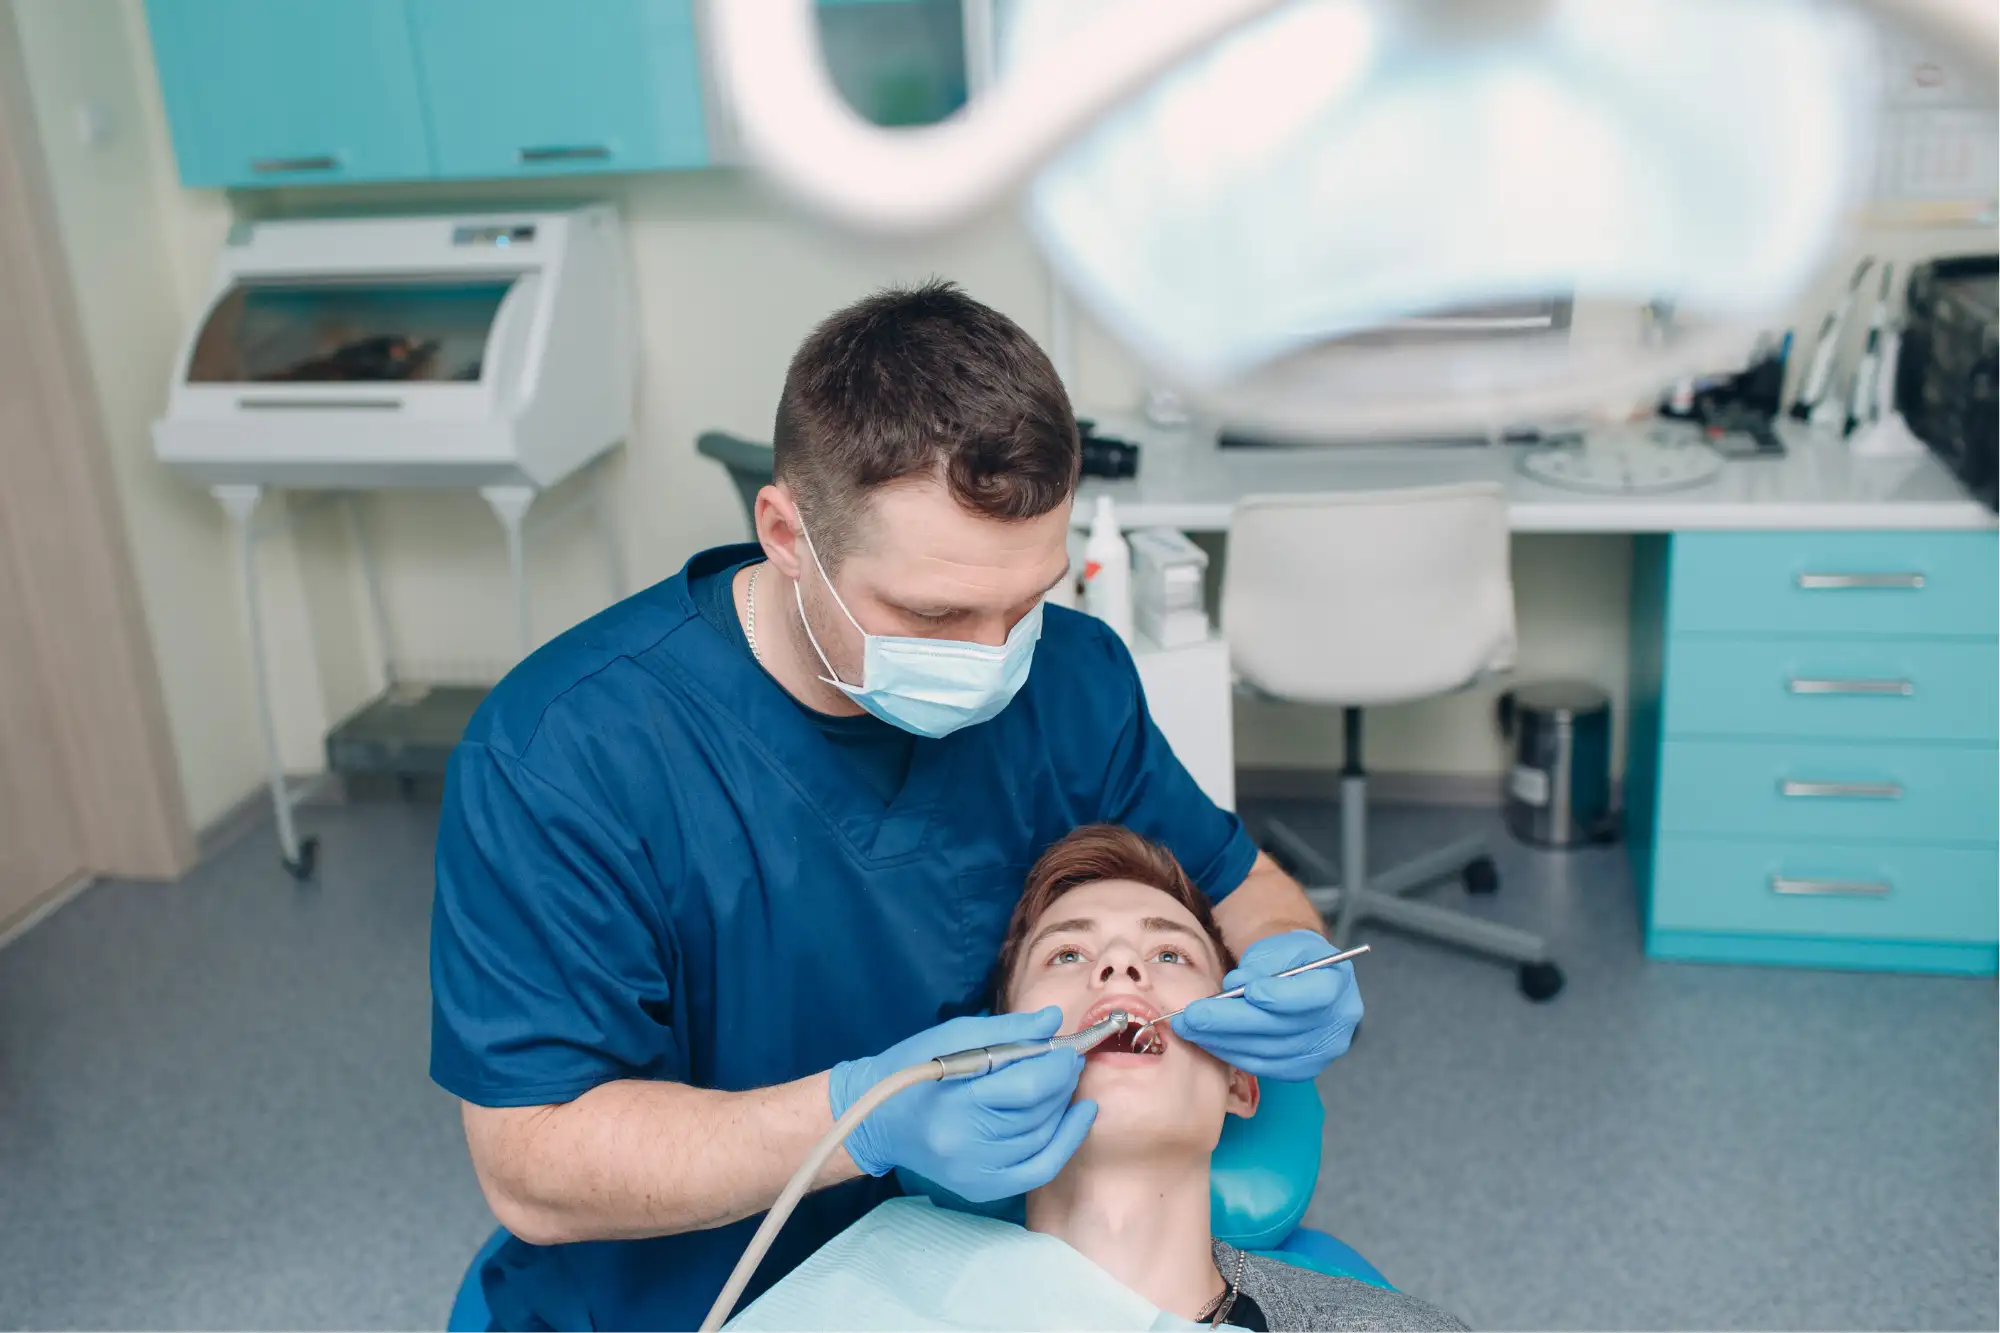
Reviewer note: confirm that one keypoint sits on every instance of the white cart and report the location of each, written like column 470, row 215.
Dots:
column 491, row 352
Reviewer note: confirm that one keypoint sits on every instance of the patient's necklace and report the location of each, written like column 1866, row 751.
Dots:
column 750, row 612
column 1223, row 1304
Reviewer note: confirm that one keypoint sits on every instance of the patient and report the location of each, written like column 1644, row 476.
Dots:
column 1109, row 921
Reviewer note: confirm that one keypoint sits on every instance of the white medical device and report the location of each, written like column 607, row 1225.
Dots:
column 448, row 350
column 492, row 351
column 1245, row 191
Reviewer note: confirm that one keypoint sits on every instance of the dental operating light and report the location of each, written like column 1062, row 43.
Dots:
column 1278, row 206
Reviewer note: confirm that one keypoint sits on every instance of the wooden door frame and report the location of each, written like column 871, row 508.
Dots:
column 62, row 525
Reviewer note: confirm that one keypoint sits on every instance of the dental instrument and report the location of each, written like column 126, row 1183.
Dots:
column 1819, row 371
column 1863, row 402
column 957, row 1065
column 1145, row 1031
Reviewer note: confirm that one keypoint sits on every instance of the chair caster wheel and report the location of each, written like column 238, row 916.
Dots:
column 1541, row 981
column 1482, row 876
column 302, row 869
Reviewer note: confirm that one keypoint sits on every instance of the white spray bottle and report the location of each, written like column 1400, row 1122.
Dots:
column 1107, row 571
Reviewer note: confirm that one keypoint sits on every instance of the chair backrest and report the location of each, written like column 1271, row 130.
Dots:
column 748, row 463
column 1369, row 597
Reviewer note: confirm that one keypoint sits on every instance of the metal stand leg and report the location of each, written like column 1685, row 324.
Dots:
column 510, row 506
column 240, row 503
column 607, row 526
column 1353, row 856
column 371, row 578
column 1357, row 897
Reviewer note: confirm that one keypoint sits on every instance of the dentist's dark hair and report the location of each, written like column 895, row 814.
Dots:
column 1091, row 855
column 922, row 382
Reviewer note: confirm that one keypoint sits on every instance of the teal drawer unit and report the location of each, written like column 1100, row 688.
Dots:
column 1815, row 774
column 1835, row 583
column 290, row 92
column 553, row 87
column 1865, row 890
column 1943, row 794
column 1813, row 688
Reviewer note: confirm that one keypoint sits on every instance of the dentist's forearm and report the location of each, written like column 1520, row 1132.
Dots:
column 1268, row 902
column 636, row 1158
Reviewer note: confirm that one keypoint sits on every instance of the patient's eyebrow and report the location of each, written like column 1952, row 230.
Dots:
column 1168, row 923
column 1061, row 927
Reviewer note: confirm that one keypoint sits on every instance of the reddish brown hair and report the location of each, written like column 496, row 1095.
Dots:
column 922, row 382
column 1091, row 855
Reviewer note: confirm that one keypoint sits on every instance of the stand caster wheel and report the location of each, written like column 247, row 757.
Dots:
column 302, row 869
column 1482, row 876
column 1541, row 981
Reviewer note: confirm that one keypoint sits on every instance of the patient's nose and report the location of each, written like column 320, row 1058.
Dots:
column 1130, row 969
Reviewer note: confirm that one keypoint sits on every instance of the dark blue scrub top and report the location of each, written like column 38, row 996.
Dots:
column 653, row 864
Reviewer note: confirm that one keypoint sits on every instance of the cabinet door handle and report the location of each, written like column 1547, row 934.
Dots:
column 576, row 152
column 1813, row 581
column 1808, row 685
column 1830, row 888
column 1866, row 791
column 271, row 166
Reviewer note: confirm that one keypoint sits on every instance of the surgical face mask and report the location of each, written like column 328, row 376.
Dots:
column 929, row 687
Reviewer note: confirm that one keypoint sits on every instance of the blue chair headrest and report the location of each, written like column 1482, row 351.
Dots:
column 1260, row 1179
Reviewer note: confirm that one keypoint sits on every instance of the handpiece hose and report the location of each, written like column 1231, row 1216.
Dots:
column 959, row 1064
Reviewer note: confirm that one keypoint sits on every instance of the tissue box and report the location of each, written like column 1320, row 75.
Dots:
column 1170, row 629
column 1168, row 570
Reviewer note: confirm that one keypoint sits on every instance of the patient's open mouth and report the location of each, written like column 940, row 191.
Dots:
column 1129, row 1042
column 1123, row 1043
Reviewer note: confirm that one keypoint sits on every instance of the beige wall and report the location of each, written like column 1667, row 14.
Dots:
column 728, row 281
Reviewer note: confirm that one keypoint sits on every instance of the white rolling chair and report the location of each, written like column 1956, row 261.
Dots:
column 1379, row 597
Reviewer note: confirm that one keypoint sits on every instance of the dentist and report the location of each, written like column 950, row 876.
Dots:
column 719, row 857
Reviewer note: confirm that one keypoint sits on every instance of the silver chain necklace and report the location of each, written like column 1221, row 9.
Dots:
column 750, row 611
column 1227, row 1300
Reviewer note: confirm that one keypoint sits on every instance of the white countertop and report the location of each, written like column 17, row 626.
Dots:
column 1187, row 481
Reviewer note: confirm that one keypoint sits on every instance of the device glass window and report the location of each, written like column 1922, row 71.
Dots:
column 332, row 332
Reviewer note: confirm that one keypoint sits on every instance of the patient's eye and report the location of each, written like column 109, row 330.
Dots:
column 1176, row 957
column 1067, row 954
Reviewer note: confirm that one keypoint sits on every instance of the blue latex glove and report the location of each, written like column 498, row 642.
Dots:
column 1287, row 1028
column 982, row 1138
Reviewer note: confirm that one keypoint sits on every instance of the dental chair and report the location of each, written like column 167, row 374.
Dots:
column 1261, row 1182
column 747, row 463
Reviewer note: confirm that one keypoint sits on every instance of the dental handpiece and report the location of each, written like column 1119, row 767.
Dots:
column 1236, row 992
column 985, row 1059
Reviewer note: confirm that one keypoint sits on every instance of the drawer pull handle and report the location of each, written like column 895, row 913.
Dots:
column 1830, row 888
column 271, row 166
column 1866, row 791
column 1816, row 581
column 583, row 152
column 1808, row 685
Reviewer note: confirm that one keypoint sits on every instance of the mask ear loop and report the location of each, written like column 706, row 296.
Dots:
column 831, row 677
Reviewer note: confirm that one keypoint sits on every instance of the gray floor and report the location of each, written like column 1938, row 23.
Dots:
column 213, row 1113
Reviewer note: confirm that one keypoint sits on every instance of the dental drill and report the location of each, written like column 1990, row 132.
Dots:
column 959, row 1064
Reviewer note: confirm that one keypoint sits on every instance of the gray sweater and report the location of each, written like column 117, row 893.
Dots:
column 1299, row 1298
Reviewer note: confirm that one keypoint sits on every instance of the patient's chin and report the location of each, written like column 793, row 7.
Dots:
column 1146, row 1114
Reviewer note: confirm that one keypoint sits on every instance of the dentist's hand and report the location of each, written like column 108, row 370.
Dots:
column 983, row 1138
column 1286, row 1028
